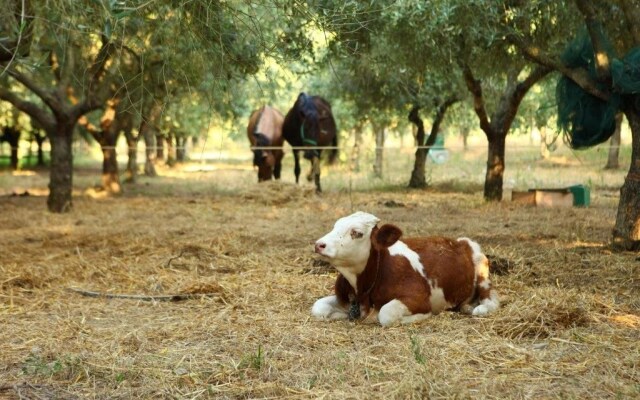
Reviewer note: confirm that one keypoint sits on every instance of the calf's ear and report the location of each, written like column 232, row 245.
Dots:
column 386, row 236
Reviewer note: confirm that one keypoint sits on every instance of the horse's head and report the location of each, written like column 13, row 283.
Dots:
column 265, row 169
column 263, row 159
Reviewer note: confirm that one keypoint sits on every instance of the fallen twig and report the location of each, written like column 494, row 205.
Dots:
column 174, row 258
column 143, row 297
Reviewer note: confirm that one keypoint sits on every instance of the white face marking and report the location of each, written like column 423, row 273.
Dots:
column 400, row 248
column 348, row 245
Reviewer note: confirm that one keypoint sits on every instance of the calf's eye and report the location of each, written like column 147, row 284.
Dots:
column 355, row 234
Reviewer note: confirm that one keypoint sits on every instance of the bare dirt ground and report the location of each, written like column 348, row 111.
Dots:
column 569, row 325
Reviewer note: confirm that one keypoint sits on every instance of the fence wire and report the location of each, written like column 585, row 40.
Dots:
column 366, row 165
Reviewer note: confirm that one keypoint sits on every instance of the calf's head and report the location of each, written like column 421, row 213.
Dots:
column 349, row 244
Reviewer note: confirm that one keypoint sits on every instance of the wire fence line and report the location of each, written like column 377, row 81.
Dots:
column 391, row 147
column 368, row 165
column 204, row 153
column 344, row 148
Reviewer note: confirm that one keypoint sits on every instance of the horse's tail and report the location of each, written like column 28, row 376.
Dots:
column 333, row 154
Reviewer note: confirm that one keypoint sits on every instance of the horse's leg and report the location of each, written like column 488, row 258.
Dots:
column 316, row 172
column 278, row 166
column 310, row 174
column 296, row 168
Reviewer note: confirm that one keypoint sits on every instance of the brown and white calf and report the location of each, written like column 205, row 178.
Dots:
column 401, row 280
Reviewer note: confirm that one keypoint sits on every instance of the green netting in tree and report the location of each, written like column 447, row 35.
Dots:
column 626, row 73
column 585, row 119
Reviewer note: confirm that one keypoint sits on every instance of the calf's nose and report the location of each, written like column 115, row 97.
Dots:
column 320, row 246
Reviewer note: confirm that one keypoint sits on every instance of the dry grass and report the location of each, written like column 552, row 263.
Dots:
column 569, row 326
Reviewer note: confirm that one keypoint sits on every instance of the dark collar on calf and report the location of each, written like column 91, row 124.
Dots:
column 354, row 307
column 354, row 311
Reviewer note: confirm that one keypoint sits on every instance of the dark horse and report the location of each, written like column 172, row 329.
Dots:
column 309, row 123
column 265, row 130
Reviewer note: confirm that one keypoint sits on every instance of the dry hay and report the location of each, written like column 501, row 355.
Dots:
column 569, row 325
column 276, row 193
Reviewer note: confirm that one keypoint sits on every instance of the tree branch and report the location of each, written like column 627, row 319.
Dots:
column 441, row 111
column 578, row 75
column 475, row 88
column 47, row 97
column 70, row 52
column 600, row 55
column 10, row 48
column 631, row 12
column 143, row 297
column 97, row 70
column 539, row 73
column 96, row 73
column 414, row 117
column 510, row 101
column 45, row 119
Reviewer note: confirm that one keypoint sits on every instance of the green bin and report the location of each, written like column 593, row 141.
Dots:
column 581, row 196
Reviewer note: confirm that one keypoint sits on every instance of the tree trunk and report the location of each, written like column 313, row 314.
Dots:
column 614, row 145
column 125, row 122
column 357, row 143
column 131, row 175
column 110, row 175
column 377, row 166
column 418, row 179
column 150, row 159
column 171, row 150
column 497, row 127
column 61, row 171
column 12, row 136
column 464, row 132
column 107, row 137
column 40, row 141
column 181, row 148
column 626, row 233
column 418, row 176
column 544, row 148
column 148, row 121
column 160, row 146
column 495, row 167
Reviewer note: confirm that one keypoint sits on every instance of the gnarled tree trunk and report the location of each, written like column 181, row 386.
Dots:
column 626, row 233
column 11, row 135
column 613, row 160
column 147, row 132
column 110, row 174
column 357, row 143
column 61, row 171
column 495, row 167
column 40, row 138
column 160, row 138
column 418, row 176
column 150, row 159
column 497, row 127
column 181, row 148
column 464, row 132
column 110, row 124
column 171, row 149
column 131, row 174
column 380, row 132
